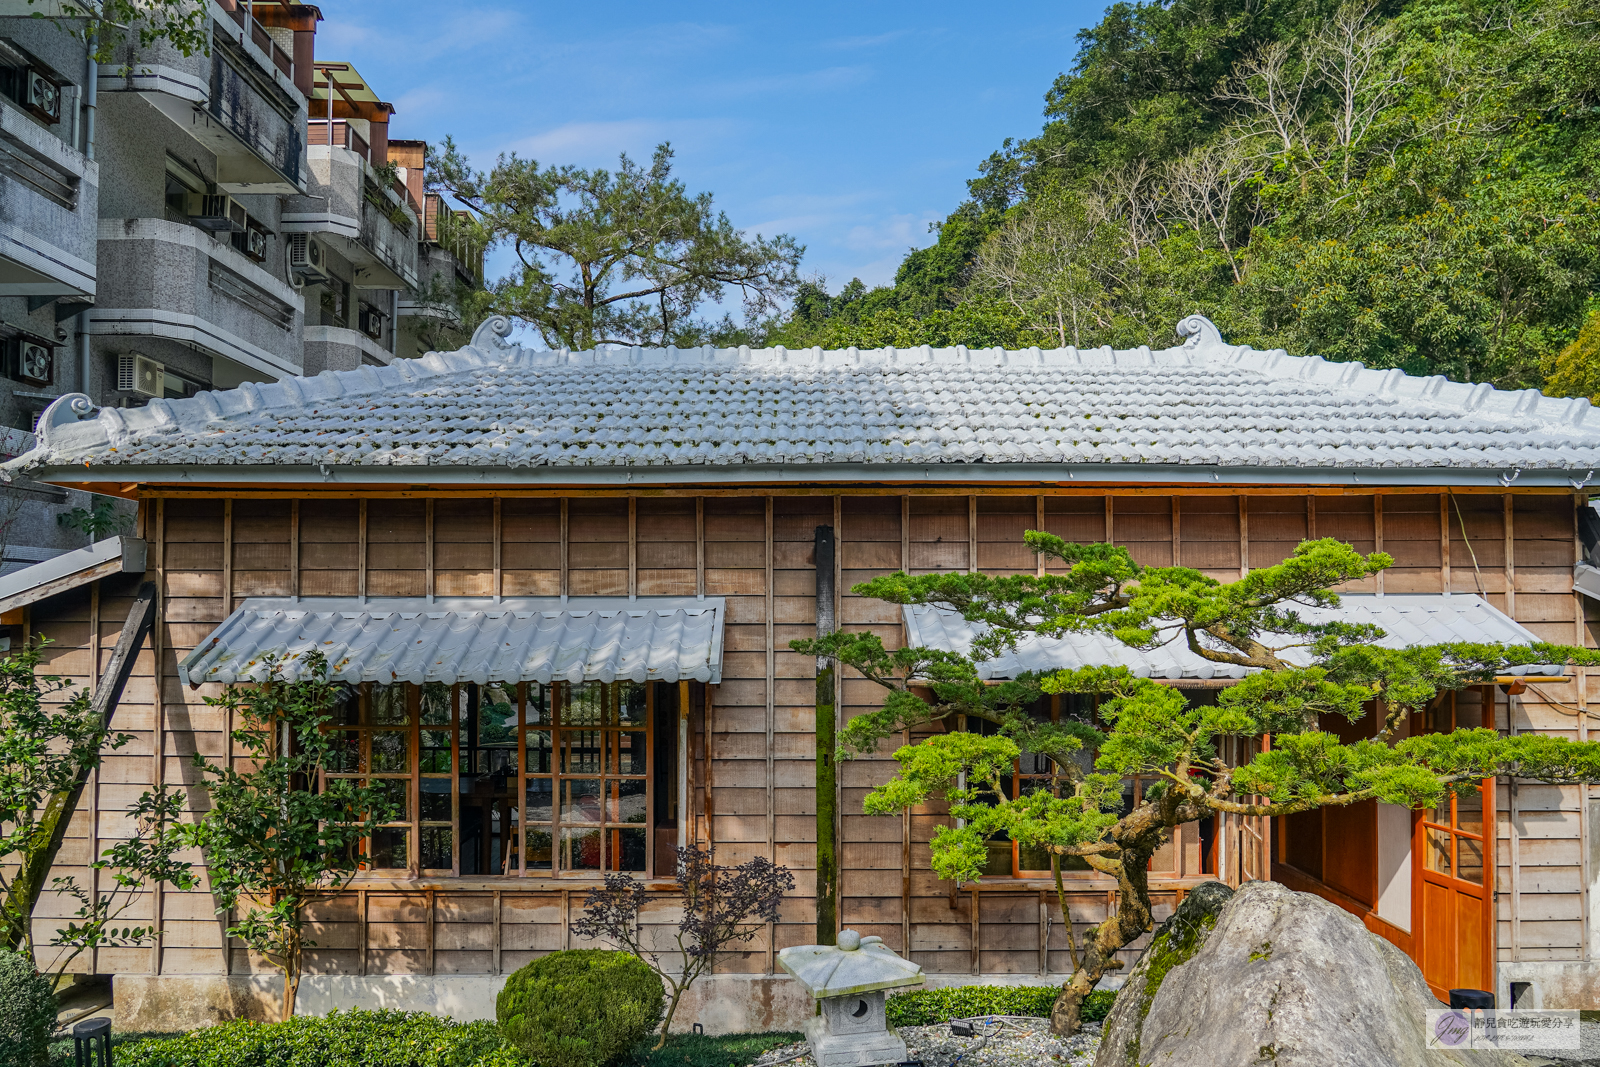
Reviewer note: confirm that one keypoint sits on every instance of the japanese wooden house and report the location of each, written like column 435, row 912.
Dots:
column 562, row 586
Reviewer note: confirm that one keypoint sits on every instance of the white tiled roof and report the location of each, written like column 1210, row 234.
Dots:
column 491, row 407
column 1407, row 619
column 518, row 639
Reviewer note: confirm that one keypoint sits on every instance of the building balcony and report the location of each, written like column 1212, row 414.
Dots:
column 165, row 279
column 239, row 102
column 51, row 195
column 365, row 221
column 336, row 348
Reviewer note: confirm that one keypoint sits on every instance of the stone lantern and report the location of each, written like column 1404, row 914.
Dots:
column 851, row 981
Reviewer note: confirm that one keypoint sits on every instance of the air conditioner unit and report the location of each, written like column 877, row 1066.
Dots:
column 215, row 211
column 141, row 374
column 35, row 363
column 256, row 245
column 307, row 260
column 41, row 95
column 371, row 323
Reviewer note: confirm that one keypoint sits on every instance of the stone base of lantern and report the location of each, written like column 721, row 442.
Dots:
column 853, row 1050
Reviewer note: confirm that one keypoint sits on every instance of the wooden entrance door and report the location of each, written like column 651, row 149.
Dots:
column 1453, row 859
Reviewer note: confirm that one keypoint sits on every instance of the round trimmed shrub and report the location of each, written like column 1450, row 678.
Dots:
column 581, row 1008
column 27, row 1012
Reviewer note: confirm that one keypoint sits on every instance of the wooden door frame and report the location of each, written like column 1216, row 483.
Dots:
column 1491, row 868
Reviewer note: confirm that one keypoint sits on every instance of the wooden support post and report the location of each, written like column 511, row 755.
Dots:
column 1311, row 518
column 1110, row 515
column 158, row 740
column 977, row 931
column 361, row 549
column 1038, row 524
column 227, row 557
column 1244, row 536
column 633, row 547
column 433, row 915
column 427, row 535
column 294, row 549
column 771, row 768
column 499, row 580
column 361, row 931
column 1377, row 537
column 1044, row 932
column 94, row 775
column 497, row 921
column 905, row 816
column 827, row 886
column 972, row 535
column 1177, row 533
column 1444, row 542
column 700, row 548
column 685, row 802
column 1511, row 557
column 564, row 518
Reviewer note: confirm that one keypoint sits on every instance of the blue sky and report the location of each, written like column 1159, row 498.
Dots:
column 849, row 126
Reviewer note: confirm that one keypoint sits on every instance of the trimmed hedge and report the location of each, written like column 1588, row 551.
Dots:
column 925, row 1007
column 341, row 1039
column 580, row 1008
column 27, row 1012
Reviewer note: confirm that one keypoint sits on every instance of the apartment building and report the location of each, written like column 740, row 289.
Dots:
column 253, row 226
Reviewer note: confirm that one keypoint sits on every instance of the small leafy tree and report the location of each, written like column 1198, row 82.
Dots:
column 133, row 865
column 96, row 521
column 104, row 24
column 49, row 738
column 1142, row 728
column 722, row 907
column 278, row 838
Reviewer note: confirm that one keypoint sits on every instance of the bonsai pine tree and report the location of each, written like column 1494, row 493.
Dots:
column 1300, row 672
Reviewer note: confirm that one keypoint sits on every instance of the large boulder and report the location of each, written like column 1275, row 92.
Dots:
column 1273, row 977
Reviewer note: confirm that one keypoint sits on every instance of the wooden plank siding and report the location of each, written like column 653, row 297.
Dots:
column 753, row 756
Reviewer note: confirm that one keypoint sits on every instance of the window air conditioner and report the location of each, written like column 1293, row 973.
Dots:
column 307, row 262
column 34, row 362
column 256, row 245
column 371, row 323
column 42, row 96
column 215, row 211
column 141, row 374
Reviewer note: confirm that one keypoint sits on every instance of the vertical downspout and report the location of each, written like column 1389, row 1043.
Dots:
column 827, row 773
column 684, row 806
column 91, row 84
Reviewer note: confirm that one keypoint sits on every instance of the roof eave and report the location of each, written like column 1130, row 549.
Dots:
column 126, row 478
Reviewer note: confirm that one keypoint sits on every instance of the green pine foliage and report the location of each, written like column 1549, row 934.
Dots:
column 340, row 1039
column 580, row 1008
column 27, row 1012
column 926, row 1007
column 1408, row 183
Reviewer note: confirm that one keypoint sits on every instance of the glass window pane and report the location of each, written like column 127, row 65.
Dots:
column 391, row 751
column 585, row 705
column 1469, row 812
column 395, row 794
column 347, row 712
column 541, row 753
column 389, row 848
column 999, row 859
column 580, row 751
column 436, row 842
column 580, row 800
column 626, row 797
column 435, row 755
column 497, row 717
column 386, row 706
column 626, row 850
column 540, row 800
column 631, row 706
column 1469, row 860
column 435, row 704
column 344, row 753
column 1032, row 858
column 435, row 799
column 580, row 849
column 632, row 754
column 539, row 853
column 538, row 707
column 1436, row 849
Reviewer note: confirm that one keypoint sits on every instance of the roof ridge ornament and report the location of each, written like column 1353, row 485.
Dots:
column 489, row 337
column 1200, row 331
column 63, row 411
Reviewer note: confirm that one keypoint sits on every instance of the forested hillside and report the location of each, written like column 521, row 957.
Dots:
column 1411, row 185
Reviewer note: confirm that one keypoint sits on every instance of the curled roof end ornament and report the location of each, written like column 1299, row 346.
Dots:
column 63, row 411
column 491, row 334
column 1200, row 331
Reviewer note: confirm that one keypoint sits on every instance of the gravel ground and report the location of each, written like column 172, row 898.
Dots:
column 1586, row 1055
column 1010, row 1041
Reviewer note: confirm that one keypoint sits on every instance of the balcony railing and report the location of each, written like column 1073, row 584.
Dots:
column 258, row 33
column 343, row 137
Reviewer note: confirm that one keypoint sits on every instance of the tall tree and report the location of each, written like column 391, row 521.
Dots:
column 1305, row 676
column 616, row 258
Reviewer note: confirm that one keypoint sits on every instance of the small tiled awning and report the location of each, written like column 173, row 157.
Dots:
column 1407, row 620
column 523, row 639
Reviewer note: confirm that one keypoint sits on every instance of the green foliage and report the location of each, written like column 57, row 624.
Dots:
column 49, row 737
column 278, row 836
column 925, row 1007
column 615, row 258
column 1575, row 371
column 1410, row 184
column 27, row 1011
column 341, row 1039
column 704, row 1050
column 1303, row 677
column 580, row 1008
column 98, row 521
